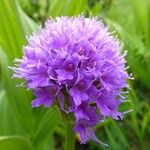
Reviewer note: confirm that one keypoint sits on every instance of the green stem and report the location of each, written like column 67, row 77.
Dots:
column 70, row 136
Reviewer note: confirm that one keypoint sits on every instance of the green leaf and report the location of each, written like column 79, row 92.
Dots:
column 75, row 8
column 13, row 27
column 46, row 144
column 11, row 32
column 116, row 136
column 67, row 7
column 14, row 142
column 12, row 37
column 18, row 98
column 46, row 125
column 145, row 121
column 9, row 124
column 27, row 23
column 113, row 144
column 134, row 114
column 56, row 7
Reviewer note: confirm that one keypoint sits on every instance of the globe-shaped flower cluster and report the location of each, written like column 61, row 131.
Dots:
column 76, row 62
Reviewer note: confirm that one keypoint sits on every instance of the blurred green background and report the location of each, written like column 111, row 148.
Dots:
column 24, row 128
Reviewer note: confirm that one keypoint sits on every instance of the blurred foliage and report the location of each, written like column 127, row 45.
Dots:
column 41, row 129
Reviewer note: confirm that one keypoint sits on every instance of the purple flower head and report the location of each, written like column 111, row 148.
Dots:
column 77, row 58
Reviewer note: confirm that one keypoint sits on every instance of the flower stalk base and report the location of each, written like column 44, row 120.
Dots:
column 70, row 135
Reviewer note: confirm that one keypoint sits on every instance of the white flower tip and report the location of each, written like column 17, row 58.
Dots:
column 126, row 112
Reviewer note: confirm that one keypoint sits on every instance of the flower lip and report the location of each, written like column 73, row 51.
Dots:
column 81, row 52
column 70, row 67
column 92, row 64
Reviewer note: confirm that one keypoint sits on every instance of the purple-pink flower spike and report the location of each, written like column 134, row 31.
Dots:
column 79, row 57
